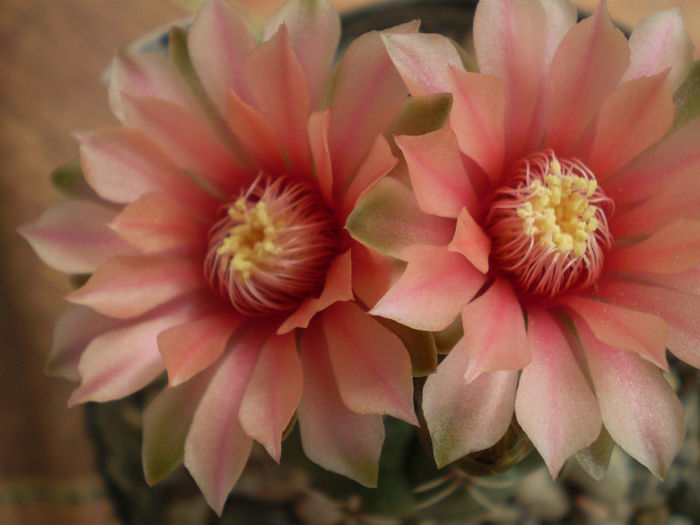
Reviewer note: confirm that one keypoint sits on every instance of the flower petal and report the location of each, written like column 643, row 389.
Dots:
column 554, row 404
column 372, row 274
column 436, row 285
column 471, row 241
column 462, row 416
column 273, row 393
column 333, row 436
column 639, row 408
column 371, row 366
column 318, row 125
column 73, row 236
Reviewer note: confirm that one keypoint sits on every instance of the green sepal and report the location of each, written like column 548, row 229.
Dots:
column 70, row 182
column 596, row 458
column 78, row 280
column 468, row 60
column 421, row 115
column 420, row 345
column 686, row 99
column 447, row 338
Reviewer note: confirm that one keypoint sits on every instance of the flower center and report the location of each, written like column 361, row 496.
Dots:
column 272, row 248
column 549, row 225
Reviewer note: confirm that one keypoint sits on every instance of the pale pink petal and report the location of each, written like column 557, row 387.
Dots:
column 371, row 365
column 273, row 393
column 471, row 241
column 477, row 118
column 314, row 32
column 440, row 182
column 338, row 287
column 73, row 236
column 423, row 61
column 462, row 416
column 372, row 274
column 632, row 118
column 73, row 332
column 280, row 92
column 218, row 42
column 672, row 249
column 554, row 404
column 587, row 66
column 190, row 348
column 625, row 329
column 510, row 38
column 157, row 223
column 435, row 287
column 319, row 123
column 639, row 408
column 494, row 331
column 333, row 436
column 217, row 447
column 131, row 285
column 660, row 41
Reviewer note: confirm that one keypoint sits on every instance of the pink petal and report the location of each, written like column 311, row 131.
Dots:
column 73, row 236
column 471, row 241
column 494, row 331
column 333, row 436
column 554, row 404
column 510, row 38
column 371, row 365
column 372, row 274
column 423, row 61
column 273, row 393
column 672, row 249
column 632, row 118
column 131, row 285
column 319, row 123
column 217, row 447
column 436, row 285
column 440, row 182
column 73, row 332
column 477, row 118
column 660, row 41
column 157, row 223
column 585, row 69
column 338, row 287
column 638, row 406
column 624, row 329
column 190, row 348
column 280, row 92
column 314, row 32
column 462, row 416
column 218, row 42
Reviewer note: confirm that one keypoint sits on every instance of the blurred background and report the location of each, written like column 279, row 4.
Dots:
column 52, row 55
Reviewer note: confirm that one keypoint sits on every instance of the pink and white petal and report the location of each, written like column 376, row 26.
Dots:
column 157, row 223
column 314, row 32
column 372, row 274
column 588, row 64
column 494, row 331
column 128, row 286
column 440, row 182
column 318, row 126
column 633, row 117
column 338, row 287
column 73, row 236
column 471, row 241
column 333, row 436
column 282, row 96
column 217, row 447
column 672, row 249
column 554, row 404
column 379, row 162
column 71, row 335
column 432, row 291
column 219, row 42
column 423, row 61
column 273, row 393
column 371, row 365
column 660, row 41
column 622, row 328
column 510, row 38
column 639, row 408
column 189, row 348
column 462, row 416
column 477, row 119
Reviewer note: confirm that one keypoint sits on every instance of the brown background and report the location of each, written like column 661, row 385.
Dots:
column 52, row 53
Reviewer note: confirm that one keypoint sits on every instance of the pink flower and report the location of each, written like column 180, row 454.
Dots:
column 217, row 248
column 558, row 190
